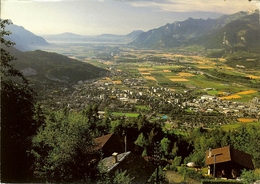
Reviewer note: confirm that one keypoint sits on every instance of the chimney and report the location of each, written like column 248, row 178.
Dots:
column 209, row 153
column 115, row 157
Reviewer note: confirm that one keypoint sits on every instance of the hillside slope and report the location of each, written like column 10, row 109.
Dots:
column 54, row 69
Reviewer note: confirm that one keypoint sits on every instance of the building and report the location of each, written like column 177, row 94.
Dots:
column 108, row 144
column 227, row 162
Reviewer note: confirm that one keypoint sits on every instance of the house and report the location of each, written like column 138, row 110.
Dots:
column 227, row 162
column 108, row 144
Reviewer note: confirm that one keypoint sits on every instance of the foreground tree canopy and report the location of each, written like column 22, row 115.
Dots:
column 18, row 124
column 64, row 149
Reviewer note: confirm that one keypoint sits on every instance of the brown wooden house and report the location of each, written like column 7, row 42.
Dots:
column 108, row 144
column 227, row 162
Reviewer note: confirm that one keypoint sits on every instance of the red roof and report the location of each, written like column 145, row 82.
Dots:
column 226, row 154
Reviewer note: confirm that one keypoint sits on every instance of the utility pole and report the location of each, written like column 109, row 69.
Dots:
column 157, row 159
column 214, row 161
column 125, row 140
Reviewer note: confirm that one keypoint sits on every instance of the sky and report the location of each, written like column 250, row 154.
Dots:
column 95, row 17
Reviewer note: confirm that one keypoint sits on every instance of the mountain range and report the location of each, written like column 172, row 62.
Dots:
column 237, row 30
column 104, row 38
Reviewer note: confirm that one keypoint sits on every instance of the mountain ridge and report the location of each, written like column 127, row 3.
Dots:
column 24, row 40
column 187, row 32
column 71, row 37
column 53, row 69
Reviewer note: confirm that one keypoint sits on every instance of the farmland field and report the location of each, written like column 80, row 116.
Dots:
column 183, row 72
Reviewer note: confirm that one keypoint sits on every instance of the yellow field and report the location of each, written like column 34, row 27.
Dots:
column 117, row 82
column 142, row 69
column 150, row 78
column 222, row 59
column 167, row 71
column 183, row 74
column 253, row 77
column 228, row 68
column 173, row 76
column 230, row 97
column 179, row 80
column 247, row 92
column 247, row 120
column 108, row 63
column 145, row 73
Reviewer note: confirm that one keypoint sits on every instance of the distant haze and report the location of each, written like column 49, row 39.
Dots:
column 95, row 17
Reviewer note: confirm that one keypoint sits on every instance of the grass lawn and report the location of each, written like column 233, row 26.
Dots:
column 127, row 114
column 237, row 125
column 174, row 177
column 142, row 107
column 161, row 79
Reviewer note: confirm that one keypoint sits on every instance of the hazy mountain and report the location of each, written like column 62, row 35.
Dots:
column 24, row 39
column 104, row 38
column 51, row 68
column 183, row 32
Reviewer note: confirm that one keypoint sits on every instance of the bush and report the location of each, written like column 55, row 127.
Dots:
column 249, row 176
column 161, row 177
column 191, row 173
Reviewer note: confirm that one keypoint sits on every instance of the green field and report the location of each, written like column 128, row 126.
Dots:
column 237, row 125
column 127, row 114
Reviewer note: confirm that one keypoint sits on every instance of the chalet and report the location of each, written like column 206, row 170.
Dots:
column 227, row 162
column 108, row 144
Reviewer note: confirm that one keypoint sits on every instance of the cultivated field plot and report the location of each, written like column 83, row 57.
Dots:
column 253, row 77
column 243, row 96
column 183, row 74
column 167, row 71
column 230, row 97
column 205, row 67
column 117, row 82
column 247, row 120
column 202, row 82
column 247, row 92
column 150, row 78
column 161, row 79
column 179, row 80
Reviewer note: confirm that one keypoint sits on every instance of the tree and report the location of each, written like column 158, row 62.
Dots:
column 165, row 146
column 17, row 117
column 64, row 149
column 121, row 177
column 249, row 176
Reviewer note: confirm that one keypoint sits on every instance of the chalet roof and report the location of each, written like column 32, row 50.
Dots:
column 101, row 141
column 109, row 162
column 226, row 154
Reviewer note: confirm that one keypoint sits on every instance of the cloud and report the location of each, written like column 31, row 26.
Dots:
column 220, row 6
